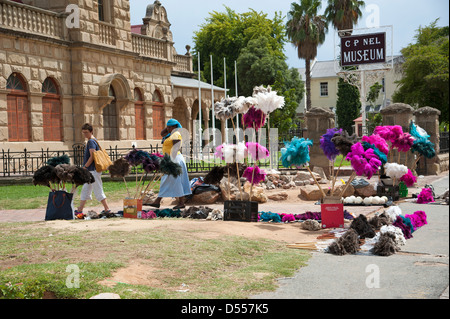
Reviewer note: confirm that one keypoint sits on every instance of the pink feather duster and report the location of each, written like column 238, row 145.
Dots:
column 365, row 163
column 389, row 133
column 378, row 141
column 257, row 151
column 409, row 179
column 258, row 177
column 404, row 142
column 254, row 118
column 418, row 219
column 425, row 196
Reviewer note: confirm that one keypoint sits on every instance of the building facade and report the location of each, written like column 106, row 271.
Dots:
column 64, row 63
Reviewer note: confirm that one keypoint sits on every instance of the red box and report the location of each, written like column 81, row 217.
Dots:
column 132, row 208
column 332, row 211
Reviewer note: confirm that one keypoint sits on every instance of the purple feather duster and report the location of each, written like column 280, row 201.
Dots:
column 404, row 142
column 327, row 145
column 258, row 177
column 254, row 118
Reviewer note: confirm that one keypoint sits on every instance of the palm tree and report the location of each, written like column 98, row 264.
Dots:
column 306, row 30
column 344, row 14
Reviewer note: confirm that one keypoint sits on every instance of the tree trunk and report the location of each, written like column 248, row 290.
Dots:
column 308, row 84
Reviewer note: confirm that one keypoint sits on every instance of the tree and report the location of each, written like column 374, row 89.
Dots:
column 343, row 14
column 226, row 34
column 425, row 71
column 348, row 105
column 306, row 31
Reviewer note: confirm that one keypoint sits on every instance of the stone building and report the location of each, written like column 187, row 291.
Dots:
column 67, row 62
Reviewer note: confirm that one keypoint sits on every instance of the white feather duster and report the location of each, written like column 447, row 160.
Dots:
column 269, row 102
column 225, row 109
column 393, row 212
column 399, row 237
column 242, row 104
column 261, row 89
column 241, row 152
column 395, row 170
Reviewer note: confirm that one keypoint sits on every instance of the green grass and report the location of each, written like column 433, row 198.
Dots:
column 34, row 259
column 12, row 196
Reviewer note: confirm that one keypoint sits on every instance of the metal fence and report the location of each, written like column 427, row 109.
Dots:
column 443, row 142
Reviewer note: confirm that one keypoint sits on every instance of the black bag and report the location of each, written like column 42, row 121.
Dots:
column 59, row 206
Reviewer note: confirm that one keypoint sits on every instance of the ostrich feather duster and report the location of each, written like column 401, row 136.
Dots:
column 364, row 162
column 296, row 152
column 389, row 133
column 409, row 179
column 81, row 176
column 361, row 225
column 327, row 145
column 151, row 164
column 395, row 170
column 418, row 219
column 169, row 167
column 136, row 157
column 399, row 222
column 225, row 109
column 424, row 147
column 55, row 161
column 257, row 151
column 64, row 173
column 399, row 237
column 120, row 168
column 254, row 118
column 381, row 156
column 242, row 104
column 231, row 153
column 417, row 132
column 344, row 142
column 378, row 142
column 215, row 175
column 258, row 177
column 385, row 246
column 425, row 196
column 45, row 175
column 404, row 142
column 393, row 212
column 268, row 102
column 261, row 89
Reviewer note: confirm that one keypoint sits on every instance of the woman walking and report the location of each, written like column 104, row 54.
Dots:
column 171, row 186
column 97, row 186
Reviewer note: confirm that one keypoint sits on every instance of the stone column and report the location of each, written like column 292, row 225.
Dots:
column 318, row 120
column 399, row 114
column 428, row 119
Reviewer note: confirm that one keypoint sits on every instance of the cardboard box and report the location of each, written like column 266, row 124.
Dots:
column 332, row 211
column 132, row 208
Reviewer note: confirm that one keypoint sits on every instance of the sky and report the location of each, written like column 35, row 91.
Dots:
column 405, row 17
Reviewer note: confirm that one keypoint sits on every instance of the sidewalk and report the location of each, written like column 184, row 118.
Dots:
column 419, row 271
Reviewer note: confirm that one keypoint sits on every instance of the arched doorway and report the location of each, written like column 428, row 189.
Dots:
column 51, row 111
column 110, row 121
column 158, row 114
column 17, row 109
column 181, row 113
column 139, row 114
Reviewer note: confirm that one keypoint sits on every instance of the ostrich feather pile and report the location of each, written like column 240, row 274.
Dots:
column 385, row 246
column 418, row 219
column 348, row 243
column 296, row 152
column 399, row 222
column 361, row 225
column 393, row 212
column 395, row 170
column 327, row 145
column 425, row 196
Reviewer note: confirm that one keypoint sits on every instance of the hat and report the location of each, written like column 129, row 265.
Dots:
column 173, row 122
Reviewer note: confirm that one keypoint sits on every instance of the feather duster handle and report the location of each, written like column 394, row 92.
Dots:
column 328, row 146
column 254, row 175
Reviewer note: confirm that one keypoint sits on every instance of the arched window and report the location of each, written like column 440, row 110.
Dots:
column 139, row 115
column 17, row 109
column 158, row 115
column 110, row 123
column 51, row 111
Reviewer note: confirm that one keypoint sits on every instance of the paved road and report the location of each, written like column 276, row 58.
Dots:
column 420, row 270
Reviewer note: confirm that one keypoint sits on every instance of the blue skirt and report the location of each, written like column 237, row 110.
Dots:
column 176, row 186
